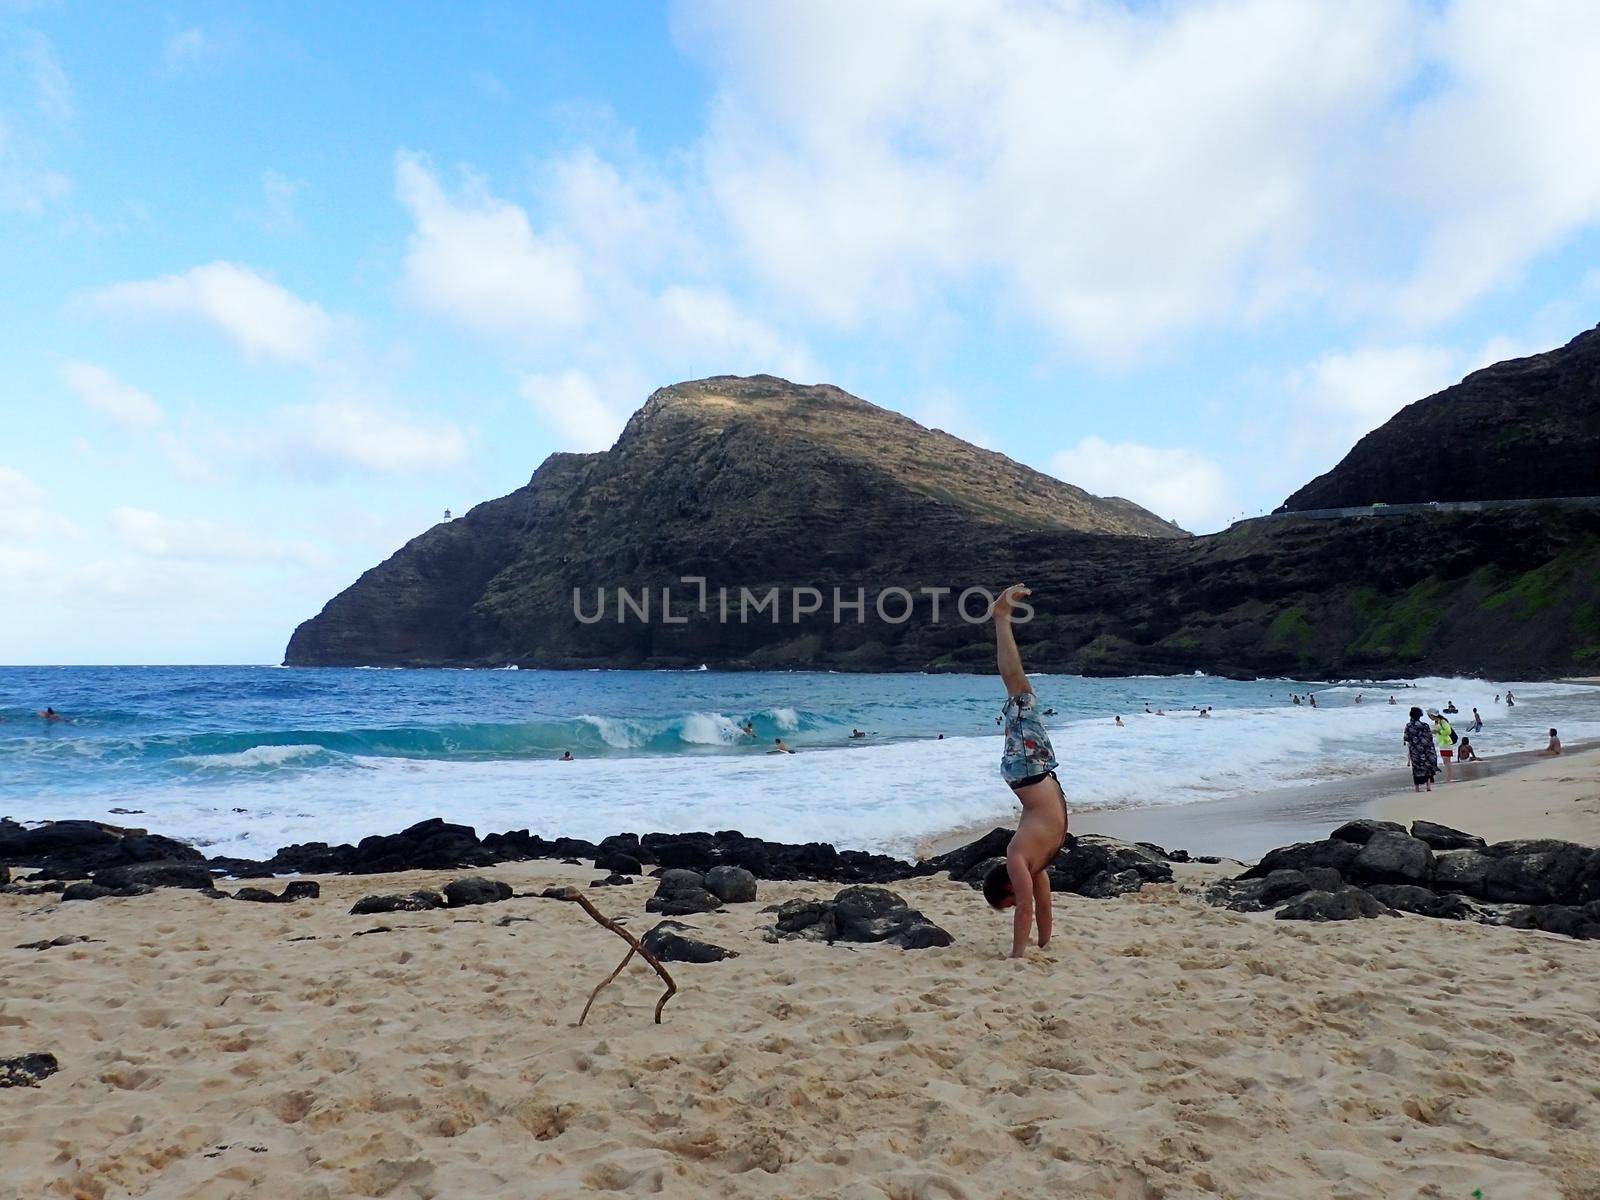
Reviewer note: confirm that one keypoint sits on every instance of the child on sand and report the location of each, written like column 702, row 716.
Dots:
column 1027, row 764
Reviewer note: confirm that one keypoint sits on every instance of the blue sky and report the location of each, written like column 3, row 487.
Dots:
column 282, row 283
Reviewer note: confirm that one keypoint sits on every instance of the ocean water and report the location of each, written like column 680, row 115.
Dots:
column 243, row 760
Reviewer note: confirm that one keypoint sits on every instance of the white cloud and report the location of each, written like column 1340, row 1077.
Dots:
column 1489, row 161
column 263, row 319
column 1118, row 174
column 478, row 260
column 187, row 48
column 26, row 512
column 708, row 322
column 571, row 403
column 1344, row 395
column 333, row 435
column 1180, row 485
column 105, row 393
column 198, row 540
column 35, row 105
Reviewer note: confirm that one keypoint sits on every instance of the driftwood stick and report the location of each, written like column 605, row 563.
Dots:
column 626, row 959
column 634, row 947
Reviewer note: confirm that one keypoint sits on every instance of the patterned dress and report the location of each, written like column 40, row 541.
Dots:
column 1424, row 755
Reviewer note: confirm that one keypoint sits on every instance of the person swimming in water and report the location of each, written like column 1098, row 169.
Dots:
column 856, row 733
column 1119, row 722
column 749, row 729
column 1027, row 764
column 50, row 714
column 566, row 756
column 778, row 747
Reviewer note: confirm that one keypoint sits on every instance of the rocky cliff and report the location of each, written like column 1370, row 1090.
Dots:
column 756, row 485
column 1527, row 428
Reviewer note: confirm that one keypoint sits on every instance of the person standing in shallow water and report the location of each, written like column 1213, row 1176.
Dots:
column 1027, row 764
column 1420, row 749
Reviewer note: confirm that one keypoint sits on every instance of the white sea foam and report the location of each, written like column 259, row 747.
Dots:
column 875, row 795
column 786, row 719
column 710, row 729
column 256, row 756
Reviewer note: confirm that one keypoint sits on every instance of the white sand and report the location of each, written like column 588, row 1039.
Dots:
column 1547, row 797
column 1161, row 1048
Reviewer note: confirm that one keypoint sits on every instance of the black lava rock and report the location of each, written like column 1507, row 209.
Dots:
column 1389, row 857
column 1360, row 832
column 1570, row 920
column 1347, row 904
column 859, row 914
column 78, row 849
column 731, row 885
column 668, row 942
column 27, row 1070
column 1102, row 867
column 476, row 890
column 1542, row 871
column 680, row 893
column 157, row 875
column 84, row 890
column 1446, row 906
column 1257, row 895
column 618, row 863
column 1442, row 837
column 1332, row 853
column 417, row 901
column 300, row 889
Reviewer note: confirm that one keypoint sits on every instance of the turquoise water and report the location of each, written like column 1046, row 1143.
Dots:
column 249, row 758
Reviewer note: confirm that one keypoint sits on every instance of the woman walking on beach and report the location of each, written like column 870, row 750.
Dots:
column 1420, row 748
column 1027, row 764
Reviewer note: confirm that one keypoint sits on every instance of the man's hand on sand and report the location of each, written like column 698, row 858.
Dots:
column 1008, row 601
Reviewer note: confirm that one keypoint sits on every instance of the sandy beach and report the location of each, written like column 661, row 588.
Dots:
column 1159, row 1048
column 1542, row 797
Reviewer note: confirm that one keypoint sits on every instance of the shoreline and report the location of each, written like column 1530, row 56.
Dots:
column 1244, row 826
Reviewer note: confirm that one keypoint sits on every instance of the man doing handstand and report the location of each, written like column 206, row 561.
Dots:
column 1027, row 764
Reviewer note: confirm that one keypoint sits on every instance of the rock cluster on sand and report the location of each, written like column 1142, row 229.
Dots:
column 79, row 849
column 858, row 914
column 1092, row 865
column 299, row 889
column 457, row 894
column 681, row 892
column 439, row 845
column 669, row 941
column 1373, row 868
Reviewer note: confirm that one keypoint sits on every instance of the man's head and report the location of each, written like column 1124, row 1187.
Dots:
column 997, row 889
column 1416, row 713
column 1552, row 733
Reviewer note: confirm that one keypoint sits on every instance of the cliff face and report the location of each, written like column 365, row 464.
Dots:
column 737, row 480
column 1527, row 428
column 756, row 484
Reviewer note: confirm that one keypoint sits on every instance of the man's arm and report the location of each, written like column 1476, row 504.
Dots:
column 1007, row 657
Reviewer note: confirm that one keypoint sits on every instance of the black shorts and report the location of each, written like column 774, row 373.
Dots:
column 1015, row 784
